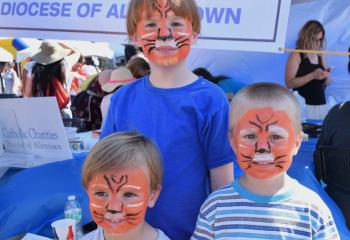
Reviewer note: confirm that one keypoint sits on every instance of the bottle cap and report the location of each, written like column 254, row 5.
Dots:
column 71, row 197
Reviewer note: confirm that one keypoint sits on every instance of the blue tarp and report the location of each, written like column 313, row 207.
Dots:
column 32, row 199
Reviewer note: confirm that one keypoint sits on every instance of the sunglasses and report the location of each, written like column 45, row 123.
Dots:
column 320, row 39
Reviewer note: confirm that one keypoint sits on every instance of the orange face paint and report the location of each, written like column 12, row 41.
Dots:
column 118, row 199
column 264, row 141
column 164, row 37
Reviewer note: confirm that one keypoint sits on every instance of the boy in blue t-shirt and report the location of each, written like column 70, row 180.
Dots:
column 265, row 203
column 186, row 116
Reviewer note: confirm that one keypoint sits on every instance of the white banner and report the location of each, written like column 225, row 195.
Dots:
column 252, row 25
column 31, row 132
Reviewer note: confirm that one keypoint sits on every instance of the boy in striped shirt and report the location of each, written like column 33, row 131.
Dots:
column 265, row 203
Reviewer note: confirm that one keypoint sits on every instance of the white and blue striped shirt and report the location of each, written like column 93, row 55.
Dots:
column 295, row 213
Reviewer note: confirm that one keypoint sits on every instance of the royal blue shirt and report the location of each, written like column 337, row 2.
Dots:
column 190, row 126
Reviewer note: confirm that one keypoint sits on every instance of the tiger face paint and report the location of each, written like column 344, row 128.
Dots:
column 164, row 37
column 264, row 142
column 119, row 200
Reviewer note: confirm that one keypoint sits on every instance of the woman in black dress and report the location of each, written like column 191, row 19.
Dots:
column 307, row 73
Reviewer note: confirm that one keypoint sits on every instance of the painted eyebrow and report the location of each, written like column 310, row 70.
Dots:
column 131, row 186
column 247, row 130
column 99, row 185
column 268, row 125
column 278, row 129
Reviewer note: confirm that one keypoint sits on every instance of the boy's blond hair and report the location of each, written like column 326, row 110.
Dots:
column 183, row 8
column 259, row 95
column 123, row 150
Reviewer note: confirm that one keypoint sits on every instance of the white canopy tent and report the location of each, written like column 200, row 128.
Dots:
column 5, row 56
column 249, row 67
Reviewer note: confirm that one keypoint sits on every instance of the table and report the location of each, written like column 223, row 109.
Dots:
column 32, row 199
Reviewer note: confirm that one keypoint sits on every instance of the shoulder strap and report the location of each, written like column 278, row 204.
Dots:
column 320, row 60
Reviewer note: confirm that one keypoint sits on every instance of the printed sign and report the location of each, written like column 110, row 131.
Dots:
column 251, row 25
column 32, row 132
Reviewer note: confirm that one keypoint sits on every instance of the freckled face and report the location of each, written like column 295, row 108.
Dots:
column 118, row 199
column 264, row 141
column 164, row 37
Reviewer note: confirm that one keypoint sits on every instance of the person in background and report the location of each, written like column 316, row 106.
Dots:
column 203, row 72
column 26, row 73
column 227, row 84
column 51, row 74
column 336, row 133
column 78, row 74
column 349, row 61
column 122, row 176
column 92, row 65
column 308, row 74
column 130, row 51
column 12, row 84
column 139, row 67
column 265, row 203
column 185, row 115
column 2, row 68
column 87, row 104
column 5, row 57
column 119, row 77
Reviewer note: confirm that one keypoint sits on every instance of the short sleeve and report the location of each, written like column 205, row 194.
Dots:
column 216, row 143
column 323, row 225
column 203, row 230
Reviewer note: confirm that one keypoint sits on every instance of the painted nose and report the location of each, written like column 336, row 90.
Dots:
column 114, row 207
column 164, row 33
column 163, row 38
column 262, row 145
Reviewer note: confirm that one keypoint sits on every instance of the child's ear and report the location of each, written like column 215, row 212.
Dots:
column 135, row 41
column 195, row 37
column 154, row 196
column 298, row 141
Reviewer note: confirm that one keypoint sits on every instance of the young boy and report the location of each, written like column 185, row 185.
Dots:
column 186, row 116
column 122, row 176
column 265, row 203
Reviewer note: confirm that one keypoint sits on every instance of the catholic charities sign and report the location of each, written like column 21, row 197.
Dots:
column 257, row 25
column 31, row 132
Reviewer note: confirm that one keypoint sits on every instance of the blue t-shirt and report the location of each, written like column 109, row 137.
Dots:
column 190, row 126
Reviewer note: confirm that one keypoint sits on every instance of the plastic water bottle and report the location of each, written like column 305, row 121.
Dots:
column 73, row 210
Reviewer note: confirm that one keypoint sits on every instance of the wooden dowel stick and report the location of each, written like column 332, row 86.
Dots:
column 315, row 51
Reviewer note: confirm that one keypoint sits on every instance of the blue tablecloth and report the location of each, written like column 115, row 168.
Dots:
column 31, row 199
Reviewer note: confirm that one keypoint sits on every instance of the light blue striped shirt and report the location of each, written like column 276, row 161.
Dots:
column 295, row 213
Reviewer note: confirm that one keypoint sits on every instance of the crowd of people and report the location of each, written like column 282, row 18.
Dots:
column 163, row 168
